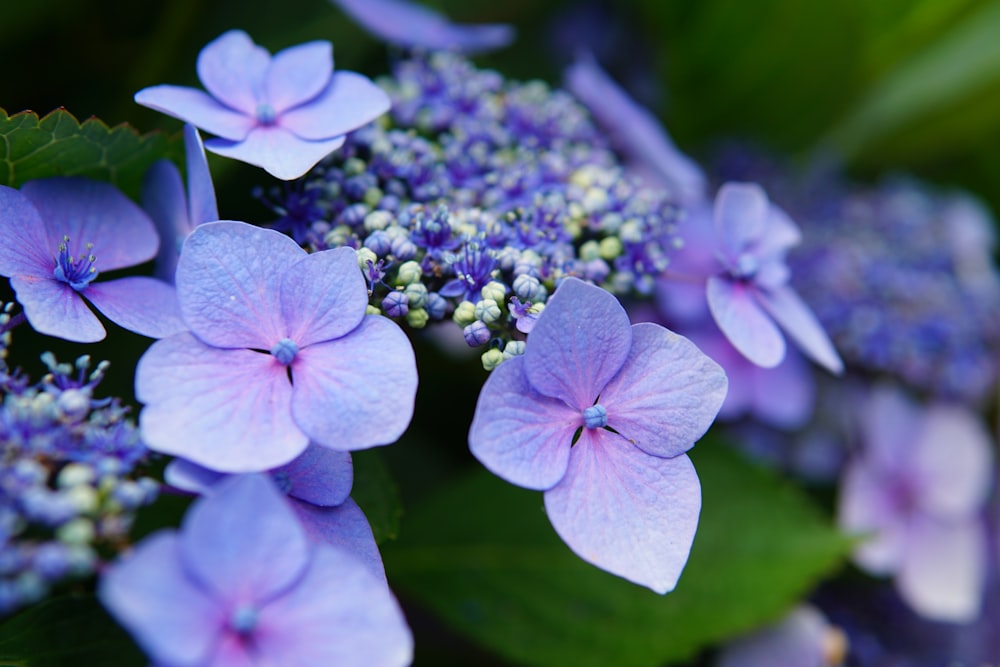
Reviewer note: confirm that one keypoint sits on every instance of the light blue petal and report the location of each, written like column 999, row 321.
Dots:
column 350, row 101
column 147, row 306
column 798, row 321
column 56, row 309
column 202, row 206
column 232, row 68
column 323, row 296
column 276, row 150
column 741, row 215
column 345, row 527
column 197, row 108
column 319, row 476
column 298, row 74
column 735, row 309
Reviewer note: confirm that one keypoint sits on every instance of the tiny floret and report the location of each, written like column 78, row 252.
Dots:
column 595, row 416
column 284, row 351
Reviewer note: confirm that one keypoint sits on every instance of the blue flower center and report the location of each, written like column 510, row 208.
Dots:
column 595, row 416
column 745, row 267
column 266, row 114
column 76, row 272
column 243, row 620
column 285, row 350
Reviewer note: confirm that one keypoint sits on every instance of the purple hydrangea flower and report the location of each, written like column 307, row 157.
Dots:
column 623, row 496
column 280, row 352
column 283, row 113
column 917, row 490
column 240, row 584
column 412, row 25
column 59, row 235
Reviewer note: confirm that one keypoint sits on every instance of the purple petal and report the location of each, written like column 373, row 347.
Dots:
column 780, row 234
column 323, row 296
column 627, row 512
column 228, row 283
column 242, row 541
column 56, row 309
column 865, row 509
column 345, row 527
column 741, row 215
column 799, row 640
column 232, row 68
column 356, row 391
column 298, row 74
column 202, row 205
column 890, row 425
column 144, row 305
column 797, row 320
column 350, row 101
column 164, row 200
column 228, row 410
column 783, row 396
column 169, row 616
column 667, row 393
column 191, row 477
column 92, row 212
column 319, row 476
column 27, row 249
column 739, row 316
column 517, row 433
column 277, row 151
column 338, row 614
column 580, row 341
column 197, row 108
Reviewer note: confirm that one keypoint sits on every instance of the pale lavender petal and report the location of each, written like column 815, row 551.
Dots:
column 298, row 74
column 344, row 526
column 356, row 391
column 338, row 614
column 798, row 640
column 350, row 101
column 517, row 433
column 228, row 410
column 149, row 593
column 242, row 541
column 865, row 510
column 741, row 215
column 943, row 573
column 627, row 512
column 56, row 309
column 580, row 341
column 202, row 206
column 230, row 651
column 232, row 68
column 27, row 249
column 323, row 296
column 163, row 198
column 667, row 393
column 798, row 321
column 319, row 476
column 228, row 282
column 191, row 477
column 197, row 108
column 781, row 233
column 93, row 212
column 783, row 396
column 737, row 313
column 277, row 151
column 890, row 425
column 144, row 305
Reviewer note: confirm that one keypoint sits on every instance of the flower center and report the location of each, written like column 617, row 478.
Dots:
column 76, row 272
column 265, row 114
column 745, row 267
column 595, row 416
column 243, row 620
column 284, row 351
column 282, row 481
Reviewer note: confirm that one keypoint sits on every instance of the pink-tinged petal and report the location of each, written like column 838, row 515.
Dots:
column 319, row 476
column 783, row 396
column 627, row 512
column 344, row 526
column 953, row 458
column 231, row 651
column 667, row 393
column 338, row 614
column 579, row 342
column 348, row 102
column 890, row 425
column 228, row 282
column 323, row 296
column 242, row 541
column 175, row 621
column 735, row 310
column 232, row 68
column 197, row 108
column 163, row 198
column 93, row 212
column 191, row 477
column 865, row 509
column 27, row 249
column 228, row 410
column 56, row 309
column 298, row 74
column 147, row 306
column 517, row 433
column 202, row 206
column 277, row 151
column 356, row 391
column 798, row 321
column 943, row 573
column 798, row 640
column 741, row 215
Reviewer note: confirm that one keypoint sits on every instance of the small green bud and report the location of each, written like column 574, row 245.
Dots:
column 409, row 273
column 378, row 220
column 590, row 251
column 76, row 531
column 416, row 293
column 513, row 349
column 488, row 311
column 494, row 291
column 365, row 255
column 353, row 166
column 492, row 358
column 75, row 474
column 417, row 318
column 465, row 314
column 373, row 196
column 373, row 310
column 610, row 247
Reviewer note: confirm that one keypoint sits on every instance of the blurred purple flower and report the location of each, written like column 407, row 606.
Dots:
column 411, row 25
column 623, row 496
column 804, row 638
column 263, row 313
column 240, row 584
column 283, row 113
column 59, row 234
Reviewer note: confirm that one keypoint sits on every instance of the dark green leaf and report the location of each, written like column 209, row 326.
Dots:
column 376, row 493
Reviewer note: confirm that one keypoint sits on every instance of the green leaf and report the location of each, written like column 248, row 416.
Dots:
column 376, row 493
column 495, row 569
column 58, row 144
column 64, row 631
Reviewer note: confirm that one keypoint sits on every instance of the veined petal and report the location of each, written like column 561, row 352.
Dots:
column 197, row 108
column 298, row 74
column 348, row 102
column 519, row 434
column 627, row 512
column 56, row 309
column 737, row 313
column 147, row 306
column 202, row 206
column 798, row 321
column 323, row 296
column 741, row 215
column 579, row 343
column 277, row 151
column 345, row 527
column 667, row 393
column 163, row 198
column 319, row 476
column 232, row 68
column 27, row 249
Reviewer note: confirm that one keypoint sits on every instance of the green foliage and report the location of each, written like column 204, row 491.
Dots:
column 496, row 570
column 376, row 493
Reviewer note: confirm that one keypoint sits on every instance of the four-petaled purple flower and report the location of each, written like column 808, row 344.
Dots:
column 283, row 113
column 241, row 585
column 58, row 235
column 599, row 413
column 280, row 352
